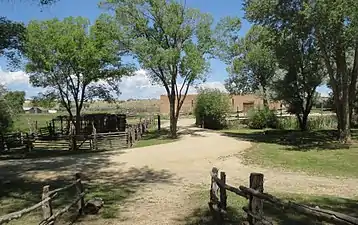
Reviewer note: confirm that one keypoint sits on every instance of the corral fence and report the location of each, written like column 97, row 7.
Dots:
column 49, row 217
column 24, row 142
column 256, row 198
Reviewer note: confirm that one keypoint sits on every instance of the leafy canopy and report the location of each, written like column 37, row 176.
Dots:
column 73, row 60
column 170, row 41
column 252, row 63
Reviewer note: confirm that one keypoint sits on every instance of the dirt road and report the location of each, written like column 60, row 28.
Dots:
column 184, row 165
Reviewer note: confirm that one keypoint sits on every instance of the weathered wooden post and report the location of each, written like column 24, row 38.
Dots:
column 214, row 188
column 36, row 127
column 61, row 119
column 158, row 122
column 80, row 190
column 94, row 140
column 129, row 133
column 53, row 126
column 46, row 206
column 223, row 196
column 256, row 204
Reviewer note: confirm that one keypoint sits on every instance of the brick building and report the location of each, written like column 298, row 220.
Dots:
column 238, row 102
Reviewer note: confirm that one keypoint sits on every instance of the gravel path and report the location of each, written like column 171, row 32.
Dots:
column 184, row 165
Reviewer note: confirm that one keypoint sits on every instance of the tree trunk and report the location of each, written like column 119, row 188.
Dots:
column 302, row 121
column 77, row 130
column 173, row 118
column 264, row 96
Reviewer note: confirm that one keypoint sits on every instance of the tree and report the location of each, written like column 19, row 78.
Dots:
column 335, row 26
column 171, row 42
column 15, row 100
column 6, row 118
column 252, row 63
column 212, row 106
column 45, row 100
column 74, row 61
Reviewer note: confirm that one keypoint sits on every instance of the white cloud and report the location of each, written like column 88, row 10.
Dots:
column 141, row 86
column 138, row 86
column 8, row 78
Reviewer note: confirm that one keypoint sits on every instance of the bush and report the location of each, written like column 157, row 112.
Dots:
column 314, row 123
column 262, row 118
column 212, row 106
column 5, row 117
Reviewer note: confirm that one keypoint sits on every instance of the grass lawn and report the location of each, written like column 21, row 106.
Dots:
column 235, row 214
column 153, row 137
column 21, row 122
column 315, row 152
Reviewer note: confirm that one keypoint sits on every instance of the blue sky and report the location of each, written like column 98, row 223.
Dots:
column 26, row 10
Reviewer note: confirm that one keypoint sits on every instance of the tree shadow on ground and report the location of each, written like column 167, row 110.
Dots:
column 235, row 214
column 22, row 181
column 295, row 140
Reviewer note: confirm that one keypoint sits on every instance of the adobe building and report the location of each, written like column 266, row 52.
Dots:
column 241, row 103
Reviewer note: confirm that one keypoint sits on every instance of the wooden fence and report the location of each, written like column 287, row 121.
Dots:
column 49, row 217
column 23, row 142
column 256, row 197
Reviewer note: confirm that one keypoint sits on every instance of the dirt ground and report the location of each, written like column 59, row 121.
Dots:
column 168, row 173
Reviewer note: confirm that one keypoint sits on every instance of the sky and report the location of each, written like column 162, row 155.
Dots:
column 137, row 86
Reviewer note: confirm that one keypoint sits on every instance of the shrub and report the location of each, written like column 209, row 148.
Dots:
column 212, row 106
column 314, row 122
column 5, row 117
column 262, row 118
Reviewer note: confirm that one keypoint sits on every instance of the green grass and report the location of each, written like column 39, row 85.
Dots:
column 202, row 215
column 21, row 122
column 153, row 137
column 315, row 152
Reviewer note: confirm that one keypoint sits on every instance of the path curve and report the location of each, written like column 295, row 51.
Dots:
column 189, row 162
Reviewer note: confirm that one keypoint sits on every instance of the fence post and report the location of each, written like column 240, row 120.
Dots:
column 46, row 206
column 94, row 134
column 256, row 204
column 223, row 197
column 158, row 122
column 79, row 189
column 129, row 133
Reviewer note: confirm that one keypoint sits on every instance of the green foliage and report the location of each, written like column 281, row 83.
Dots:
column 262, row 118
column 252, row 62
column 15, row 100
column 11, row 39
column 328, row 28
column 75, row 61
column 47, row 100
column 169, row 40
column 313, row 123
column 212, row 106
column 6, row 120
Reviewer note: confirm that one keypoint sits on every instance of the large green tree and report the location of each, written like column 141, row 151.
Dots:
column 251, row 60
column 74, row 61
column 335, row 26
column 170, row 41
column 15, row 100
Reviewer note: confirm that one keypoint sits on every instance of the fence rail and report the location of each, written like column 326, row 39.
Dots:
column 23, row 142
column 47, row 196
column 256, row 197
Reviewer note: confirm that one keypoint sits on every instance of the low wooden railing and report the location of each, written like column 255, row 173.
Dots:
column 47, row 211
column 256, row 197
